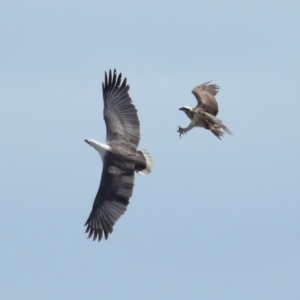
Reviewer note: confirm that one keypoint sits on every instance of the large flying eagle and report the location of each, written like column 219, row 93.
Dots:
column 204, row 114
column 119, row 155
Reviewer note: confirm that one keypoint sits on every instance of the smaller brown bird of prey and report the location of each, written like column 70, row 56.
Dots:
column 204, row 114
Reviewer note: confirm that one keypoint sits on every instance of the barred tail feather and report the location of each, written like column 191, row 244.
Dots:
column 215, row 129
column 212, row 119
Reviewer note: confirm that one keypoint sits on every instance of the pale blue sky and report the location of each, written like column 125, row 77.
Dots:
column 216, row 219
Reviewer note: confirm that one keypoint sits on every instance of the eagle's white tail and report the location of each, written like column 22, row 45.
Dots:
column 149, row 163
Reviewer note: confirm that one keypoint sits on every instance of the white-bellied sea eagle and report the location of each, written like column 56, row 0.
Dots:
column 119, row 155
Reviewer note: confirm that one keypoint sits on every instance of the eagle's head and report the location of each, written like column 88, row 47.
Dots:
column 187, row 110
column 101, row 148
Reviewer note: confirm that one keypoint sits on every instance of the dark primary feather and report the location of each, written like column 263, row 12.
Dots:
column 204, row 94
column 213, row 89
column 120, row 114
column 112, row 198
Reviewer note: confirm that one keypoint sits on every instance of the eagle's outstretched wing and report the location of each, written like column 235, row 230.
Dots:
column 204, row 94
column 120, row 115
column 111, row 200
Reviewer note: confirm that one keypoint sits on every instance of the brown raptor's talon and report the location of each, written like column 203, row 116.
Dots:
column 181, row 131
